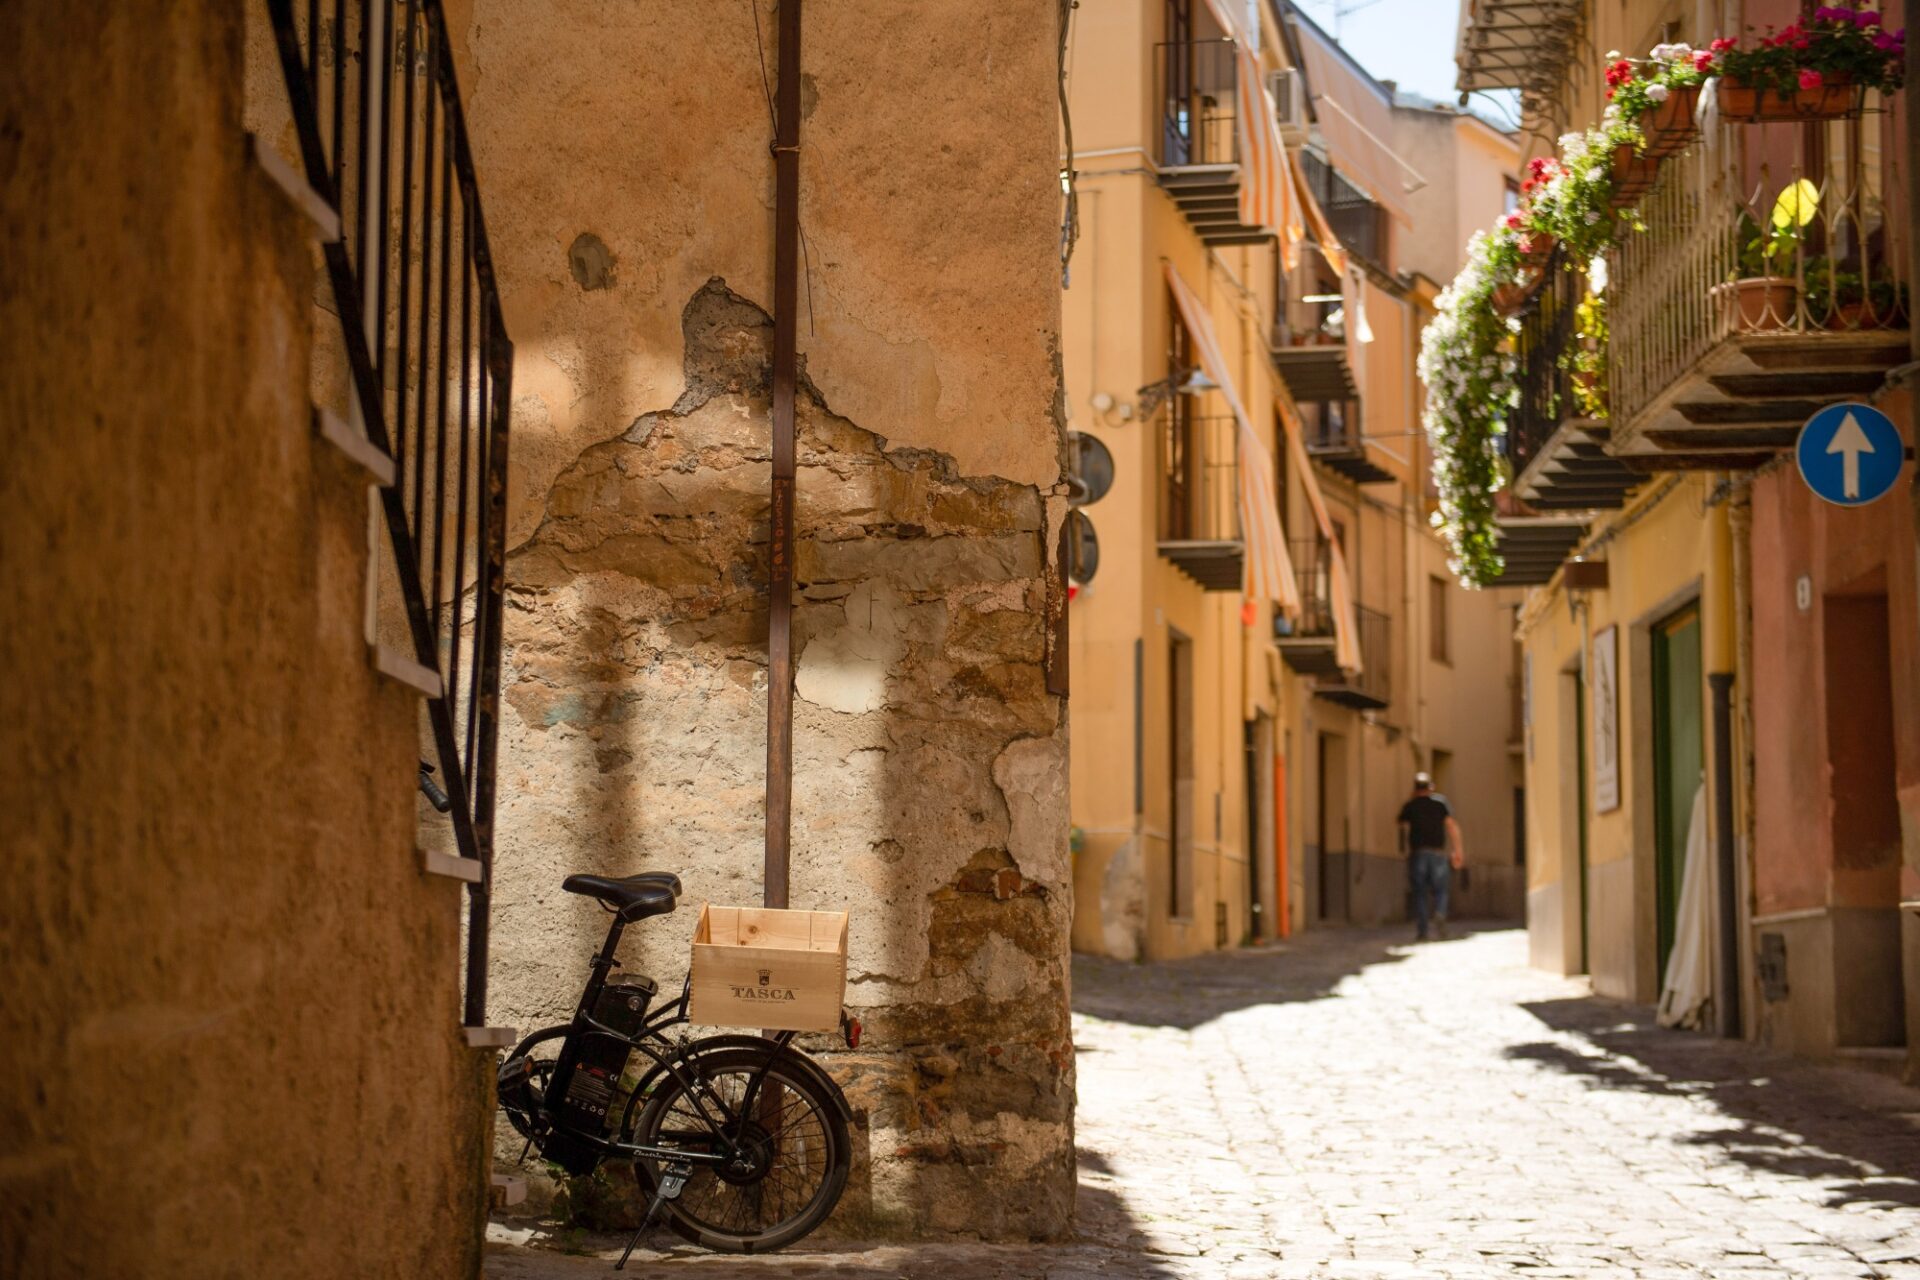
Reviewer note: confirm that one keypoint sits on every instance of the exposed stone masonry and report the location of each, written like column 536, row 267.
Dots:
column 930, row 761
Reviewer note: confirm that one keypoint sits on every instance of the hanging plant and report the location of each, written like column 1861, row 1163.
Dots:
column 1586, row 360
column 1812, row 69
column 1468, row 370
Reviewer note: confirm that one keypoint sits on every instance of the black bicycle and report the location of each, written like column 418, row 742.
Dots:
column 742, row 1139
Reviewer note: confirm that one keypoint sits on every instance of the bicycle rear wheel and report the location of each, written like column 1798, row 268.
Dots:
column 792, row 1151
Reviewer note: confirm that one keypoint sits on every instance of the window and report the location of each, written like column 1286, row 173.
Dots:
column 1510, row 200
column 1280, row 470
column 1179, row 454
column 1437, row 619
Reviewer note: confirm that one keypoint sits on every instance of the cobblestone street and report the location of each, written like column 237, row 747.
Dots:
column 1349, row 1107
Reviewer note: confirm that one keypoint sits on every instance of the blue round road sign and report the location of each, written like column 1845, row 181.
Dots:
column 1850, row 454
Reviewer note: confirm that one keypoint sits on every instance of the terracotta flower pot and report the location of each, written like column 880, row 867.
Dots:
column 1850, row 316
column 1837, row 99
column 1538, row 248
column 1633, row 175
column 1757, row 304
column 1674, row 124
column 1512, row 295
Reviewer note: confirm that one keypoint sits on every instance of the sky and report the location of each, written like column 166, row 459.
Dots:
column 1407, row 41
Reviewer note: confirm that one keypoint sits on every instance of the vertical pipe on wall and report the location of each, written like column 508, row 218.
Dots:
column 786, row 266
column 1718, row 628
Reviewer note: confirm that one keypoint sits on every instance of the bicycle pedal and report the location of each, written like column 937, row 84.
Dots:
column 674, row 1180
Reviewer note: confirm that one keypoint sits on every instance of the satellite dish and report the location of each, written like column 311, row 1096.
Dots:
column 1083, row 548
column 1089, row 469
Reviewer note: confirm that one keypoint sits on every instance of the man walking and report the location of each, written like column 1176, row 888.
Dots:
column 1430, row 840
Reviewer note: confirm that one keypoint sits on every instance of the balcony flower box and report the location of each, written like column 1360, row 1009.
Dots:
column 1633, row 173
column 1832, row 98
column 1536, row 249
column 1674, row 123
column 1757, row 304
column 1510, row 296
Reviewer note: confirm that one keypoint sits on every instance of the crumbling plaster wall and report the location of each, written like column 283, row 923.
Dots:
column 624, row 154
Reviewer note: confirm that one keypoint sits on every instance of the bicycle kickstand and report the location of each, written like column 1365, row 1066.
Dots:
column 672, row 1179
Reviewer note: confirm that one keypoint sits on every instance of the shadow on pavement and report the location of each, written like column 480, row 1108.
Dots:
column 1856, row 1132
column 1187, row 993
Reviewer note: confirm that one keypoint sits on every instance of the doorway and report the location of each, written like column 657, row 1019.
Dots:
column 1180, row 777
column 1870, row 988
column 1334, row 883
column 1580, row 811
column 1679, row 758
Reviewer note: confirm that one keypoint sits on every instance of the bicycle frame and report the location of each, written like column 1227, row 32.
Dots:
column 668, row 1057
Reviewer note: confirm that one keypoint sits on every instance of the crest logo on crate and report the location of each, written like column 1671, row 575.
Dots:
column 766, row 976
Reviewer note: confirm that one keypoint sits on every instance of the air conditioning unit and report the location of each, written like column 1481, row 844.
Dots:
column 1289, row 90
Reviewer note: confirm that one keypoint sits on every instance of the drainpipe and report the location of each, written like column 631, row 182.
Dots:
column 1722, row 655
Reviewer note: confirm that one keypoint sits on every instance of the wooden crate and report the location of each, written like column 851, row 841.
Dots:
column 777, row 970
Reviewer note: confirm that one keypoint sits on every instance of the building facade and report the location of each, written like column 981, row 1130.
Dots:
column 1239, row 757
column 1722, row 667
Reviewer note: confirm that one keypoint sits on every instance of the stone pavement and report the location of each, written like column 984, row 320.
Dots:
column 1348, row 1106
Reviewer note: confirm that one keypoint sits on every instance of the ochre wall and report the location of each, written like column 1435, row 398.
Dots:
column 1655, row 567
column 624, row 152
column 232, row 1004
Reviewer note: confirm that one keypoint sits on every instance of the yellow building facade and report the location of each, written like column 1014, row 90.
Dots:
column 1721, row 785
column 1237, row 766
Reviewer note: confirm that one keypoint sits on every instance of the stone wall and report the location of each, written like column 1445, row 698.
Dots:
column 624, row 153
column 232, row 1003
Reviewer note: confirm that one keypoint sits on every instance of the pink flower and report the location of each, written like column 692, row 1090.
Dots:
column 1886, row 43
column 1702, row 60
column 1811, row 79
column 1512, row 221
column 1866, row 18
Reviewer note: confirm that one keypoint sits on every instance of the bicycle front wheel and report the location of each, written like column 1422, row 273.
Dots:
column 790, row 1150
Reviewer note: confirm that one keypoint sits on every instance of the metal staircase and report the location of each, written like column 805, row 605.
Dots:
column 382, row 136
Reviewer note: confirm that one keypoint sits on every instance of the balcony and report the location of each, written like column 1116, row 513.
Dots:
column 1368, row 688
column 1306, row 643
column 1772, row 281
column 1196, row 83
column 1358, row 222
column 1558, row 454
column 1199, row 518
column 1334, row 440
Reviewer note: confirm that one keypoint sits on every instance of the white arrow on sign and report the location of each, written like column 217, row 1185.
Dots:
column 1849, row 441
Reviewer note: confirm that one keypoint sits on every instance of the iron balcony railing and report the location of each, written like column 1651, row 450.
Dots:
column 1357, row 221
column 1331, row 426
column 382, row 133
column 1372, row 685
column 1313, row 574
column 1195, row 82
column 1543, row 346
column 1761, row 231
column 1200, row 477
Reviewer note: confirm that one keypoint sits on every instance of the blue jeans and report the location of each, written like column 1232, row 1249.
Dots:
column 1431, row 872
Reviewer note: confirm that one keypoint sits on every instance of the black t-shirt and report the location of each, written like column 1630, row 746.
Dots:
column 1426, row 818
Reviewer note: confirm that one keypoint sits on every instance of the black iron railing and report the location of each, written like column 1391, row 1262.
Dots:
column 1313, row 573
column 1196, row 83
column 1545, row 384
column 1374, row 631
column 1357, row 221
column 383, row 137
column 1199, row 476
column 1331, row 426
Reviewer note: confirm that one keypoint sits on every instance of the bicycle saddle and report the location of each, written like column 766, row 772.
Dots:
column 650, row 893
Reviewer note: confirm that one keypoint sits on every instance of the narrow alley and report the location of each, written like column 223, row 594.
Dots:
column 1347, row 1106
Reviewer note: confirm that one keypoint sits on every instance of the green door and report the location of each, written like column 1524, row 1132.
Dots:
column 1580, row 799
column 1678, row 759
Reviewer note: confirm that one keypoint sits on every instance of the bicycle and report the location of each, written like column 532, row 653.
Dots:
column 742, row 1139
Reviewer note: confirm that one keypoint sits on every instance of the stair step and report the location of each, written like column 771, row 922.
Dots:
column 389, row 661
column 294, row 183
column 491, row 1037
column 507, row 1191
column 336, row 431
column 451, row 865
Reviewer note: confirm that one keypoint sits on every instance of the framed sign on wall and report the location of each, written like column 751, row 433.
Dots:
column 1604, row 683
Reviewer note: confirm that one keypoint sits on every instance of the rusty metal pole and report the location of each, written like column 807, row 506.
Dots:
column 786, row 269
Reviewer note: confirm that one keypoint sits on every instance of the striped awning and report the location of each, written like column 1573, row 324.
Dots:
column 1269, row 573
column 1269, row 194
column 1346, row 622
